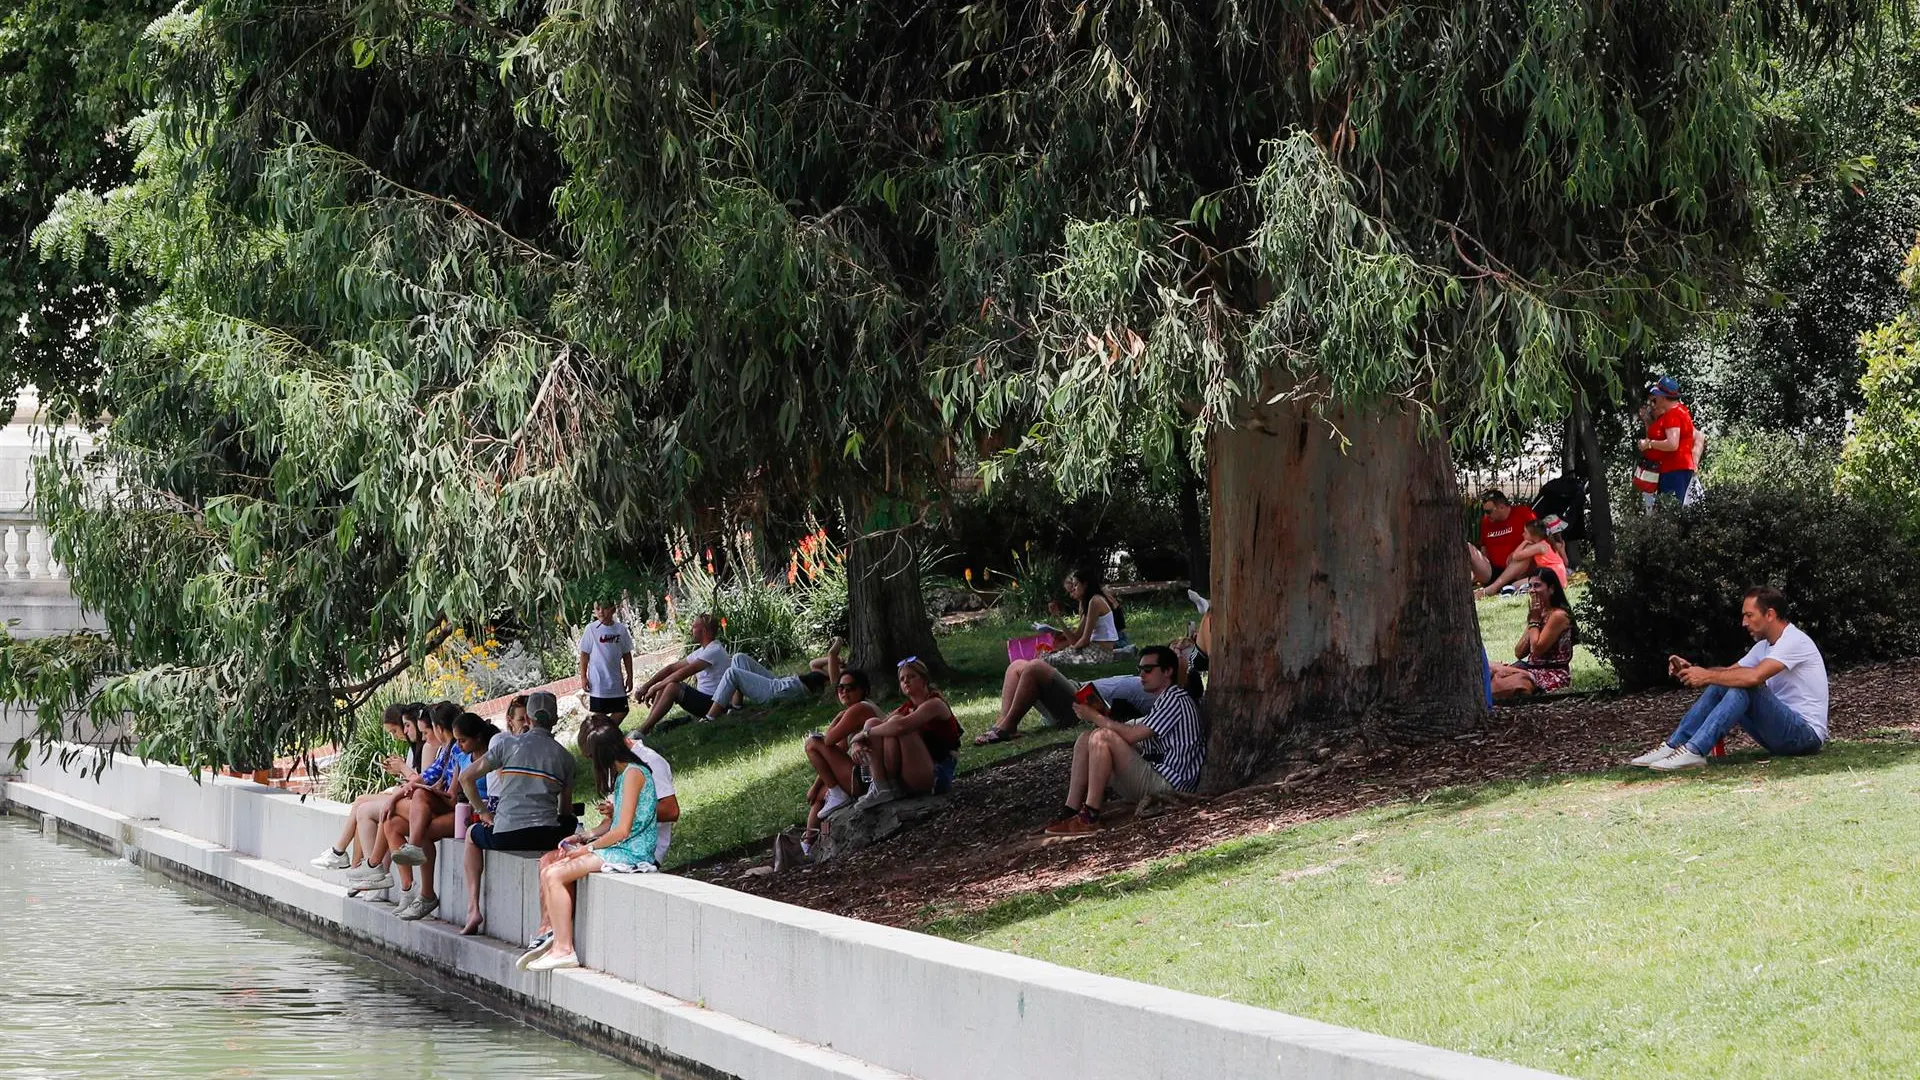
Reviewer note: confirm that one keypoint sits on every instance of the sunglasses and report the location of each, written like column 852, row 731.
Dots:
column 908, row 660
column 1144, row 668
column 846, row 686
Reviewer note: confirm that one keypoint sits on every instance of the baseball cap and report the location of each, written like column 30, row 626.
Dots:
column 543, row 708
column 1665, row 386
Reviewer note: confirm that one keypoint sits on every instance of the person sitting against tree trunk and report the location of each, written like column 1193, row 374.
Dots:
column 1159, row 754
column 606, row 663
column 914, row 749
column 1544, row 653
column 704, row 664
column 624, row 844
column 1777, row 692
column 1541, row 551
column 836, row 781
column 423, row 816
column 1102, row 625
column 532, row 795
column 358, row 846
column 747, row 680
column 1501, row 525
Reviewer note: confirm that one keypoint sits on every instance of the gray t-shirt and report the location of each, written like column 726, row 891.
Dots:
column 1124, row 690
column 531, row 774
column 603, row 646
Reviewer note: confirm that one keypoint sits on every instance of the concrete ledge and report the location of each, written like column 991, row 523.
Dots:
column 692, row 978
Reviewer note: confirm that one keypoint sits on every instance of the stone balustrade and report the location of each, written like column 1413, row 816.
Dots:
column 26, row 550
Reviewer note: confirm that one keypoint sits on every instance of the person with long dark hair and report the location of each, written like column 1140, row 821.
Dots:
column 624, row 844
column 359, row 845
column 473, row 736
column 423, row 815
column 836, row 782
column 1543, row 656
column 1102, row 627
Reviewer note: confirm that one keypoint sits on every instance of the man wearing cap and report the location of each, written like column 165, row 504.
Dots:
column 532, row 795
column 1669, row 442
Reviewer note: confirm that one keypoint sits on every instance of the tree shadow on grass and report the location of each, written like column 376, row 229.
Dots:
column 1735, row 770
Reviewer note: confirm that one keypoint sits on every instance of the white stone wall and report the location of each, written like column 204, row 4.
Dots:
column 741, row 984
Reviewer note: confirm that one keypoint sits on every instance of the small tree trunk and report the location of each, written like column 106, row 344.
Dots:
column 886, row 616
column 1341, row 603
column 1193, row 529
column 1599, row 506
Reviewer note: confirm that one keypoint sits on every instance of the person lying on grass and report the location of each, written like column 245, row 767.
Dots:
column 1161, row 753
column 624, row 844
column 704, row 664
column 747, row 680
column 1777, row 692
column 836, row 783
column 915, row 749
column 1544, row 653
column 359, row 849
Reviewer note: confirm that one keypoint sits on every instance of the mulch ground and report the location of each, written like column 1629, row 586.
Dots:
column 984, row 848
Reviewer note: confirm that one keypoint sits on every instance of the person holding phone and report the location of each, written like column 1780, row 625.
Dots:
column 1777, row 691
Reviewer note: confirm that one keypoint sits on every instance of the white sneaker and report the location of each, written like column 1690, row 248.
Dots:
column 534, row 951
column 837, row 798
column 374, row 882
column 332, row 860
column 1679, row 759
column 409, row 855
column 874, row 797
column 1658, row 753
column 420, row 908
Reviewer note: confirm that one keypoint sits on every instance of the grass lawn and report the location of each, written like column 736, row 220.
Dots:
column 1754, row 921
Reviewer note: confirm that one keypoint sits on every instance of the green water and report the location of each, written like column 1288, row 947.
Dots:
column 107, row 970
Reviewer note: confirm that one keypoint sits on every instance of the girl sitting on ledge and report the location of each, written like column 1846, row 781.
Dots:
column 624, row 844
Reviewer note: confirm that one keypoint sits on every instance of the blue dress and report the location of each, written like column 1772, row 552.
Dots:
column 637, row 849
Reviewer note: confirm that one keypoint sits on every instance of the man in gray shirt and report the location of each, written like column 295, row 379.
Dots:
column 529, row 801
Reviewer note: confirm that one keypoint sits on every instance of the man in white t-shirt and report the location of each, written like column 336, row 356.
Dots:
column 1778, row 692
column 668, row 810
column 606, row 663
column 703, row 664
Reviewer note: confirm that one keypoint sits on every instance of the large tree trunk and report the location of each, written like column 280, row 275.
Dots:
column 1341, row 605
column 886, row 616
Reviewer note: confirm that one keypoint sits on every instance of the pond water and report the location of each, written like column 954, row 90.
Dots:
column 107, row 970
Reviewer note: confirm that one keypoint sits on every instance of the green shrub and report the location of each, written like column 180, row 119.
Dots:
column 1678, row 576
column 1033, row 581
column 1882, row 462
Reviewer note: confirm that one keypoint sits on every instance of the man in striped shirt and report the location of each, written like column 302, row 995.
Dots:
column 1160, row 753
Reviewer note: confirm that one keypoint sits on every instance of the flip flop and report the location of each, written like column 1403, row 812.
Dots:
column 995, row 735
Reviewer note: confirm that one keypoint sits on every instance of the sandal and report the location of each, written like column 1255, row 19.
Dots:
column 995, row 735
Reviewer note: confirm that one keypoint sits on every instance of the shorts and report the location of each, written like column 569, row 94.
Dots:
column 1136, row 778
column 695, row 703
column 609, row 705
column 539, row 838
column 943, row 772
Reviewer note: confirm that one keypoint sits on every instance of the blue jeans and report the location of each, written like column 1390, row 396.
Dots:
column 756, row 683
column 1771, row 723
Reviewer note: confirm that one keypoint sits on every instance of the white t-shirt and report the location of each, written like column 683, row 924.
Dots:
column 603, row 646
column 1803, row 686
column 662, row 787
column 718, row 660
column 1115, row 689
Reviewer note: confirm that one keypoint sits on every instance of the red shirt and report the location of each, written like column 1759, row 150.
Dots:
column 1499, row 538
column 1681, row 457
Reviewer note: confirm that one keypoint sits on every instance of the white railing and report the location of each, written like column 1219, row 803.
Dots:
column 26, row 550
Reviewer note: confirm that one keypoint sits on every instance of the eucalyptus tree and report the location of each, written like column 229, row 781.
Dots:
column 346, row 422
column 1303, row 243
column 66, row 93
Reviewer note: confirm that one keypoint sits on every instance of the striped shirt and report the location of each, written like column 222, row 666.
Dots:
column 1178, row 745
column 535, row 774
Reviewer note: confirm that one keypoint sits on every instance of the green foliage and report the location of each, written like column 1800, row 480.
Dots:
column 66, row 94
column 1030, row 582
column 1882, row 461
column 1676, row 584
column 1135, row 515
column 765, row 620
column 357, row 770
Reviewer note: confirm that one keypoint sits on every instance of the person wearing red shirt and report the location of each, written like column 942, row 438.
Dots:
column 1670, row 442
column 1502, row 526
